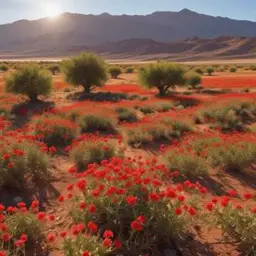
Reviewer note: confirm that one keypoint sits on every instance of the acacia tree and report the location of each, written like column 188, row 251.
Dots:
column 162, row 76
column 31, row 81
column 87, row 70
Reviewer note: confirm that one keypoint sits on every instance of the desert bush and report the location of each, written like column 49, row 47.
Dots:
column 127, row 210
column 55, row 130
column 193, row 79
column 237, row 222
column 162, row 76
column 129, row 70
column 87, row 152
column 126, row 115
column 163, row 107
column 188, row 164
column 253, row 68
column 97, row 123
column 137, row 137
column 210, row 70
column 229, row 117
column 54, row 69
column 4, row 67
column 21, row 159
column 29, row 81
column 233, row 157
column 233, row 69
column 81, row 244
column 24, row 223
column 199, row 71
column 115, row 72
column 86, row 70
column 147, row 110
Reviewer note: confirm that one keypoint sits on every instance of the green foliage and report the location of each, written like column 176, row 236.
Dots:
column 30, row 81
column 164, row 107
column 19, row 160
column 147, row 110
column 210, row 70
column 129, row 70
column 4, row 67
column 233, row 157
column 163, row 76
column 87, row 70
column 126, row 115
column 233, row 69
column 199, row 71
column 54, row 69
column 188, row 164
column 88, row 152
column 115, row 71
column 193, row 79
column 92, row 123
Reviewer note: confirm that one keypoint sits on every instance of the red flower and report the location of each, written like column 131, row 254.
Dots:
column 215, row 200
column 73, row 169
column 224, row 201
column 92, row 226
column 209, row 206
column 52, row 150
column 81, row 184
column 154, row 197
column 181, row 198
column 24, row 237
column 6, row 237
column 6, row 157
column 1, row 207
column 203, row 190
column 141, row 219
column 11, row 209
column 21, row 204
column 248, row 196
column 178, row 211
column 61, row 199
column 41, row 216
column 92, row 208
column 131, row 200
column 3, row 227
column 2, row 253
column 118, row 244
column 63, row 234
column 51, row 217
column 107, row 242
column 86, row 253
column 192, row 211
column 82, row 205
column 253, row 210
column 10, row 165
column 136, row 225
column 34, row 204
column 232, row 192
column 19, row 243
column 50, row 238
column 108, row 234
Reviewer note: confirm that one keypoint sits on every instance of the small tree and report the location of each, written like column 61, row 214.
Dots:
column 87, row 70
column 115, row 72
column 232, row 69
column 3, row 67
column 210, row 70
column 129, row 70
column 31, row 81
column 193, row 79
column 162, row 76
column 54, row 69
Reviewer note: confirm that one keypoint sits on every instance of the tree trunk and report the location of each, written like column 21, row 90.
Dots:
column 161, row 91
column 33, row 98
column 87, row 89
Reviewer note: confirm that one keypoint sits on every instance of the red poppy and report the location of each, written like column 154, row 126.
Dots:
column 6, row 237
column 232, row 192
column 41, row 216
column 19, row 243
column 108, row 234
column 117, row 244
column 63, row 234
column 136, row 225
column 92, row 226
column 209, row 206
column 50, row 238
column 107, row 242
column 131, row 200
column 86, row 253
column 92, row 208
column 178, row 211
column 248, row 195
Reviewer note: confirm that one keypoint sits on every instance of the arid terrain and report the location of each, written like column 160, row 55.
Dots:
column 122, row 171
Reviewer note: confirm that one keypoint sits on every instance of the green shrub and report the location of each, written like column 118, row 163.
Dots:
column 193, row 79
column 86, row 70
column 92, row 123
column 88, row 152
column 162, row 76
column 115, row 71
column 163, row 107
column 56, row 131
column 29, row 81
column 189, row 165
column 24, row 223
column 199, row 71
column 232, row 69
column 21, row 159
column 4, row 67
column 54, row 69
column 233, row 157
column 210, row 70
column 147, row 110
column 126, row 115
column 129, row 70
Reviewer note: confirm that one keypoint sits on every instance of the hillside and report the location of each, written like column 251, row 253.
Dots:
column 159, row 32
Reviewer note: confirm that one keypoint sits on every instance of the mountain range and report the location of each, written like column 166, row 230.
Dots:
column 157, row 33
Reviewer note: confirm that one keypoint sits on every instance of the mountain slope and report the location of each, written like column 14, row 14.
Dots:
column 78, row 30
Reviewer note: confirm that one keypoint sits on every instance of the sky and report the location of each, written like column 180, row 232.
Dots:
column 13, row 10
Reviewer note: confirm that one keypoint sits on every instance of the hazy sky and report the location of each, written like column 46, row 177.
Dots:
column 12, row 10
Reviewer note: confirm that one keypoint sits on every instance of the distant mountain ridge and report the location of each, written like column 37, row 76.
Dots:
column 159, row 32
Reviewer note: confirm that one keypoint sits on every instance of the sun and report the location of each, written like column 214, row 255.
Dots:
column 52, row 10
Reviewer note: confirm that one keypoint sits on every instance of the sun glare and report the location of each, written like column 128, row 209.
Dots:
column 52, row 10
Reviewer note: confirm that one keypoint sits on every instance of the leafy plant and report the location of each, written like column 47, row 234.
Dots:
column 115, row 71
column 126, row 115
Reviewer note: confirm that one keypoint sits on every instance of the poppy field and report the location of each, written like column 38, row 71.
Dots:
column 118, row 168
